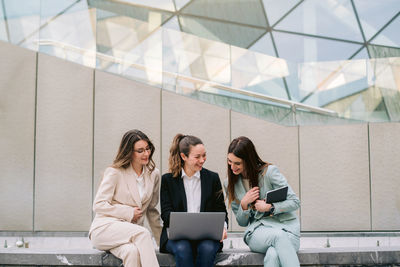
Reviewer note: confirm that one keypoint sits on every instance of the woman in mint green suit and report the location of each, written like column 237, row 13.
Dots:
column 273, row 229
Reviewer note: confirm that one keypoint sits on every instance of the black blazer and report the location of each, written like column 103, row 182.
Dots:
column 173, row 198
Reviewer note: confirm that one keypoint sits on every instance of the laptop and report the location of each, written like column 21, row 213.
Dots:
column 196, row 226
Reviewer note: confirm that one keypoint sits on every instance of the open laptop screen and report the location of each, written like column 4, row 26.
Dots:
column 196, row 226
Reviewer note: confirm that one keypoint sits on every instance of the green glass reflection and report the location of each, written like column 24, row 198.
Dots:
column 367, row 106
column 238, row 35
column 334, row 18
column 246, row 12
column 377, row 51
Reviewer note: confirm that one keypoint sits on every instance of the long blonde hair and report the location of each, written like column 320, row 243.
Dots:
column 124, row 155
column 180, row 144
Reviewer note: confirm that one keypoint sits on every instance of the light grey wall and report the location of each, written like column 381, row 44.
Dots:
column 122, row 105
column 17, row 124
column 385, row 175
column 334, row 179
column 47, row 183
column 64, row 132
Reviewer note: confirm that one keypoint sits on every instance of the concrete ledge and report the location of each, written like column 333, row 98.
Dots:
column 380, row 256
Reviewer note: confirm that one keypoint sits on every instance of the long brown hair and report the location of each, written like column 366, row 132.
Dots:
column 124, row 155
column 243, row 148
column 180, row 144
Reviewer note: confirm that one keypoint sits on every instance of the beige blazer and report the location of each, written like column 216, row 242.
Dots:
column 118, row 194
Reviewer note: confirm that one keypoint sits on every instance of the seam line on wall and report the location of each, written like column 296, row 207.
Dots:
column 370, row 176
column 34, row 142
column 93, row 133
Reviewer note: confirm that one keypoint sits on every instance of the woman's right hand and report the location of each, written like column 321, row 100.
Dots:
column 137, row 214
column 251, row 196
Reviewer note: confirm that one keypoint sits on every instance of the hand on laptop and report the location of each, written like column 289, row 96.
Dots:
column 137, row 214
column 224, row 235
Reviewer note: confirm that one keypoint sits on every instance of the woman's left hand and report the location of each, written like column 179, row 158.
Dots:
column 224, row 235
column 262, row 206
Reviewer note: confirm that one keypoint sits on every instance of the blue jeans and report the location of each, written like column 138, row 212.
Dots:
column 185, row 251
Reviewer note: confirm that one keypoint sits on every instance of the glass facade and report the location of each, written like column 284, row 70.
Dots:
column 289, row 61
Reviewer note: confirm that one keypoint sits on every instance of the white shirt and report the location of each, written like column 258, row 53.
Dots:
column 140, row 183
column 193, row 191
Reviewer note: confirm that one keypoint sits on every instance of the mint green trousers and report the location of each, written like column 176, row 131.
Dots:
column 279, row 246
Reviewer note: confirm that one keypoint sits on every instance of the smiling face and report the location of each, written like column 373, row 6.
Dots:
column 236, row 164
column 195, row 160
column 141, row 153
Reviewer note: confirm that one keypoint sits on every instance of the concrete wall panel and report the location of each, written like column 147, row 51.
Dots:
column 17, row 118
column 210, row 123
column 334, row 175
column 63, row 189
column 385, row 175
column 122, row 105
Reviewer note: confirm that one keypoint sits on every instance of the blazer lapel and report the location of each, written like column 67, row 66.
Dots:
column 181, row 190
column 132, row 186
column 203, row 181
column 240, row 191
column 148, row 185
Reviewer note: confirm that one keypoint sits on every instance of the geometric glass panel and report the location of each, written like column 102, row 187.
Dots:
column 377, row 51
column 247, row 12
column 229, row 33
column 276, row 9
column 299, row 48
column 362, row 54
column 308, row 49
column 68, row 29
column 375, row 14
column 334, row 19
column 180, row 3
column 264, row 45
column 22, row 22
column 390, row 36
column 3, row 26
column 159, row 4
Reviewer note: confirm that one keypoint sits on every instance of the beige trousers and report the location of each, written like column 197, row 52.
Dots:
column 130, row 242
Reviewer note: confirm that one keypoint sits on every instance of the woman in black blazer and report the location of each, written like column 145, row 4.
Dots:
column 188, row 187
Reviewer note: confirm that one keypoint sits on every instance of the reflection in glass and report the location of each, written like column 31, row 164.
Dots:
column 233, row 34
column 300, row 49
column 246, row 12
column 68, row 31
column 264, row 45
column 258, row 73
column 390, row 36
column 159, row 4
column 21, row 22
column 3, row 24
column 375, row 14
column 334, row 18
column 276, row 11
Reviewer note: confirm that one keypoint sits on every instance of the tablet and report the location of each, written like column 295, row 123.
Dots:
column 196, row 226
column 276, row 195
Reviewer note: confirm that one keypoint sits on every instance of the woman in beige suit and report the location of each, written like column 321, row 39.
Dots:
column 128, row 192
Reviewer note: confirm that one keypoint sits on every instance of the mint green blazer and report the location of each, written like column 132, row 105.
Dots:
column 284, row 216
